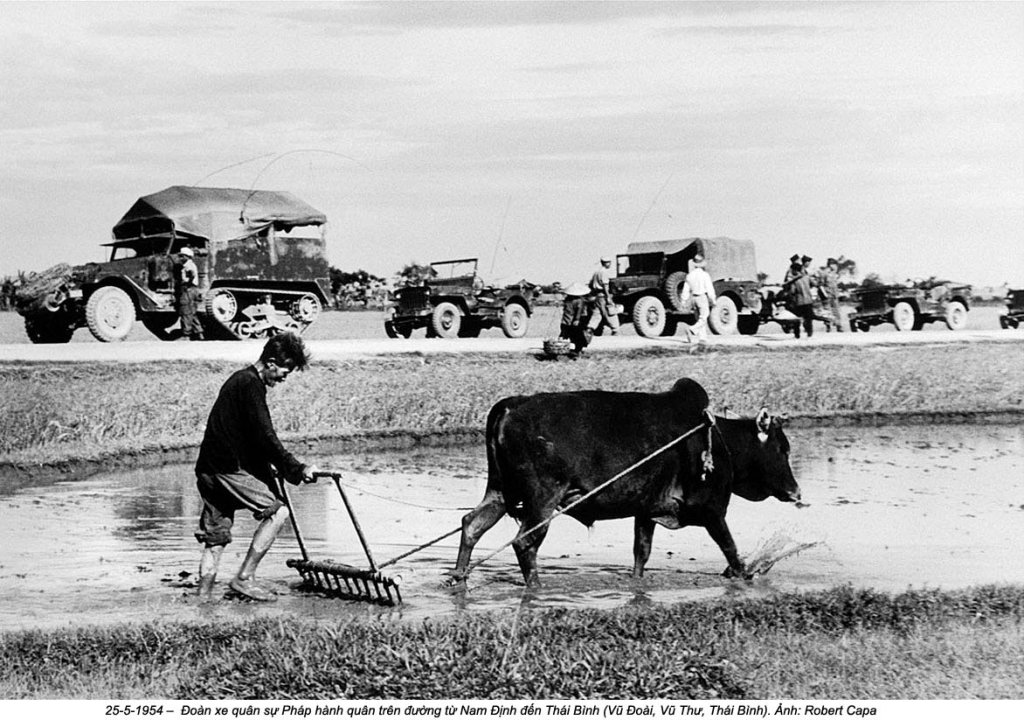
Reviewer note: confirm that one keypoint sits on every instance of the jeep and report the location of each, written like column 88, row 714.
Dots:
column 649, row 283
column 260, row 256
column 1014, row 314
column 454, row 302
column 910, row 306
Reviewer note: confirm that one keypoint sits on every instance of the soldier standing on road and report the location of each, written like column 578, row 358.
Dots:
column 188, row 296
column 829, row 290
column 601, row 292
column 701, row 290
column 237, row 461
column 801, row 298
column 575, row 318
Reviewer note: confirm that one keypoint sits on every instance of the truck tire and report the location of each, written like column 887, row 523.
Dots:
column 674, row 291
column 47, row 330
column 446, row 320
column 904, row 317
column 514, row 321
column 956, row 315
column 748, row 324
column 649, row 317
column 110, row 314
column 724, row 317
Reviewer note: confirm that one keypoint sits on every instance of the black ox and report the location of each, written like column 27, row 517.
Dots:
column 546, row 451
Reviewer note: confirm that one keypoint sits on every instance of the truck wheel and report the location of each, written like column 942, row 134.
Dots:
column 956, row 315
column 45, row 330
column 110, row 314
column 306, row 309
column 397, row 331
column 674, row 290
column 724, row 317
column 446, row 320
column 748, row 324
column 649, row 316
column 514, row 321
column 904, row 317
column 222, row 306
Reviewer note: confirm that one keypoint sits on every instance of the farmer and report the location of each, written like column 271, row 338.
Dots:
column 601, row 294
column 188, row 296
column 575, row 318
column 701, row 290
column 237, row 460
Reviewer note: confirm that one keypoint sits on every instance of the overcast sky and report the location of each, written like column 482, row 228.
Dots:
column 536, row 136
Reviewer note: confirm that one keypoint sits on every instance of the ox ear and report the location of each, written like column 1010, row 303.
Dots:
column 763, row 422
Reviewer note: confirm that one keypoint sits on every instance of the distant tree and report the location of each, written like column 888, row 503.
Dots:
column 354, row 288
column 847, row 267
column 871, row 280
column 413, row 274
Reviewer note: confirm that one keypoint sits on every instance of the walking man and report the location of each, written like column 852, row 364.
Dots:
column 829, row 289
column 237, row 461
column 188, row 296
column 575, row 318
column 701, row 290
column 601, row 293
column 801, row 298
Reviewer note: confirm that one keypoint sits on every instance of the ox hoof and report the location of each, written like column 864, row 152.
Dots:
column 740, row 573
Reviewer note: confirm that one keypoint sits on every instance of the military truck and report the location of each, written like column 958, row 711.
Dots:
column 260, row 255
column 453, row 301
column 911, row 306
column 650, row 276
column 1014, row 313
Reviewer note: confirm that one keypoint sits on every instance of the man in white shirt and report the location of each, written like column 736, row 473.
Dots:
column 601, row 293
column 701, row 290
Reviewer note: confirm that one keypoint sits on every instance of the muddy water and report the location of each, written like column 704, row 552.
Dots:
column 891, row 508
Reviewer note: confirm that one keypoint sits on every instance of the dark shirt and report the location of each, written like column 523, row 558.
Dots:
column 574, row 311
column 240, row 435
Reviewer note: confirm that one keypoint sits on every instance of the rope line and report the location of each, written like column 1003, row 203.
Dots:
column 590, row 494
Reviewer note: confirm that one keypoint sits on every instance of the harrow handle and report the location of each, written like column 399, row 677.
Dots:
column 351, row 513
column 326, row 474
column 291, row 515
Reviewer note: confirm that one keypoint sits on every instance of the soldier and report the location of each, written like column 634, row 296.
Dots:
column 575, row 317
column 601, row 292
column 188, row 296
column 699, row 287
column 828, row 288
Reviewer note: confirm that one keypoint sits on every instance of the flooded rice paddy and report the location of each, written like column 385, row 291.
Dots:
column 887, row 508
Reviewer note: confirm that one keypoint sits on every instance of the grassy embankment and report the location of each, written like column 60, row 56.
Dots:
column 837, row 644
column 55, row 412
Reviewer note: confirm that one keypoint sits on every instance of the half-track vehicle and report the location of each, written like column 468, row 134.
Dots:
column 455, row 302
column 1014, row 314
column 260, row 256
column 911, row 306
column 649, row 283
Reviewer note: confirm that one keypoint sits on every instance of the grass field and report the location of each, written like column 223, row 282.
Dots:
column 842, row 644
column 58, row 412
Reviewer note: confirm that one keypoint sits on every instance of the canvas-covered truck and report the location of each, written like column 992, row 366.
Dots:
column 260, row 255
column 454, row 301
column 650, row 276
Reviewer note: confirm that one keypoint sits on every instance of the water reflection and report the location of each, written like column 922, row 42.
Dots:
column 888, row 508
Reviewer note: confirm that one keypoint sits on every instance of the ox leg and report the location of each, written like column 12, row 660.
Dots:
column 474, row 524
column 719, row 532
column 643, row 537
column 526, row 548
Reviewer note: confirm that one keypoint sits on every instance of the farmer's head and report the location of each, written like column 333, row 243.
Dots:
column 283, row 353
column 606, row 261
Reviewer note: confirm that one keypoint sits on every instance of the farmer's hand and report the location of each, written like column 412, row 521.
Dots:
column 309, row 473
